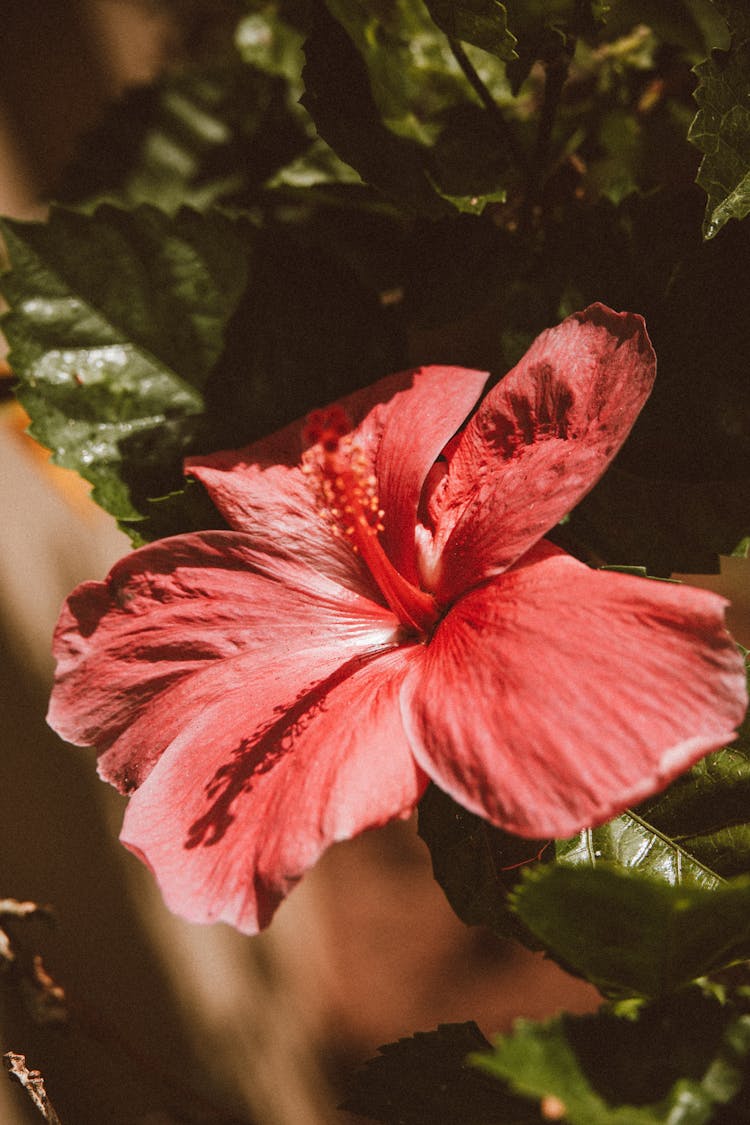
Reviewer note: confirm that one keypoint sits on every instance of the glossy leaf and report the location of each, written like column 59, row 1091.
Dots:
column 426, row 1080
column 117, row 320
column 721, row 130
column 632, row 843
column 675, row 1062
column 632, row 935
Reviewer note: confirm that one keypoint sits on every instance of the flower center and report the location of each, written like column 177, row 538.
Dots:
column 347, row 493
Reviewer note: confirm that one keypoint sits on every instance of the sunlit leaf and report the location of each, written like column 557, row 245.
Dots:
column 208, row 132
column 631, row 842
column 117, row 320
column 631, row 934
column 386, row 92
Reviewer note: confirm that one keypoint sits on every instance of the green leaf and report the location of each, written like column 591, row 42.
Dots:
column 265, row 40
column 707, row 810
column 542, row 27
column 476, row 864
column 117, row 320
column 386, row 92
column 340, row 102
column 425, row 1080
column 669, row 1063
column 208, row 132
column 721, row 129
column 484, row 23
column 633, row 843
column 737, row 15
column 633, row 935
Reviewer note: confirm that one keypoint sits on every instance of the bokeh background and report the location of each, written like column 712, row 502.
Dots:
column 168, row 1022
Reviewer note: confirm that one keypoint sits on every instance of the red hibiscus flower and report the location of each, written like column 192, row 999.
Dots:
column 385, row 612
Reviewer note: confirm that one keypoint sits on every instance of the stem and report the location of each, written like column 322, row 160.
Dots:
column 556, row 71
column 501, row 123
column 33, row 1084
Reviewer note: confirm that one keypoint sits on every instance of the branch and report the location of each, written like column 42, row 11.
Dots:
column 33, row 1084
column 501, row 123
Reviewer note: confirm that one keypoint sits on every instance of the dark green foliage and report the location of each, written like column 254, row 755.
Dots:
column 686, row 1056
column 426, row 1080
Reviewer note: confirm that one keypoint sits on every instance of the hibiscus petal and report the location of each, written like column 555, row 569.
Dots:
column 401, row 424
column 555, row 696
column 188, row 621
column 230, row 820
column 402, row 439
column 277, row 508
column 539, row 442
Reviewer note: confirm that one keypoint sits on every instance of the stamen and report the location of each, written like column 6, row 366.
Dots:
column 347, row 491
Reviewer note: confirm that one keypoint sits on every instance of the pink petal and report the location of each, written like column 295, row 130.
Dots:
column 187, row 622
column 403, row 438
column 555, row 696
column 539, row 442
column 404, row 422
column 277, row 509
column 235, row 812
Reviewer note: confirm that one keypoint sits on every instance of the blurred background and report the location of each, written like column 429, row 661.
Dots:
column 171, row 1023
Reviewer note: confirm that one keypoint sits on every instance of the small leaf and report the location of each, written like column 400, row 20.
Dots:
column 633, row 935
column 425, row 1080
column 669, row 1063
column 483, row 23
column 721, row 129
column 117, row 320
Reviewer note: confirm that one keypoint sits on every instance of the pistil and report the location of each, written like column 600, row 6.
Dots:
column 347, row 490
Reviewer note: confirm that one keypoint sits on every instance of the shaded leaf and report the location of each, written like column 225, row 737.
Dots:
column 340, row 102
column 484, row 23
column 425, row 1080
column 694, row 26
column 306, row 331
column 476, row 864
column 668, row 1063
column 737, row 15
column 386, row 92
column 721, row 130
column 211, row 131
column 629, row 934
column 117, row 320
